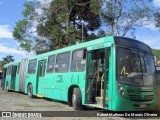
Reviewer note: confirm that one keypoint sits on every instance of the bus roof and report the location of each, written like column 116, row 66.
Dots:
column 12, row 63
column 132, row 43
column 77, row 46
column 121, row 41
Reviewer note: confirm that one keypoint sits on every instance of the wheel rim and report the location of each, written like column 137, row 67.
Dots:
column 29, row 91
column 7, row 86
column 73, row 98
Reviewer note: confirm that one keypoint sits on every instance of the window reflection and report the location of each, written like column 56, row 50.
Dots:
column 134, row 67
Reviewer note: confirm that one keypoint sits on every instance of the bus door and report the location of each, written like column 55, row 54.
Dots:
column 17, row 78
column 41, row 76
column 4, row 71
column 91, row 76
column 106, row 78
column 97, row 77
column 13, row 77
column 158, row 89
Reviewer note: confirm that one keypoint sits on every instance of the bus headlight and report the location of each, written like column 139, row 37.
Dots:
column 120, row 89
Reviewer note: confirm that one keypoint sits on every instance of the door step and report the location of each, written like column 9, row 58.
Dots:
column 39, row 96
column 99, row 100
column 95, row 105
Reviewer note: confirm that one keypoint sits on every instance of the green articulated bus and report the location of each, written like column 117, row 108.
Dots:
column 114, row 73
column 10, row 76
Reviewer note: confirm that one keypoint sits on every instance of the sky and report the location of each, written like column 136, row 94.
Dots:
column 11, row 12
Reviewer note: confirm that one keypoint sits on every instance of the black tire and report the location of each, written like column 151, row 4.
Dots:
column 30, row 91
column 77, row 99
column 70, row 98
column 70, row 103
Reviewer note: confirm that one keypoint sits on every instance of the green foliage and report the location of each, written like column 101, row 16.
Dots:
column 67, row 20
column 23, row 30
column 156, row 53
column 157, row 19
column 8, row 59
column 1, row 64
column 57, row 25
column 29, row 9
column 20, row 29
column 101, row 33
column 19, row 34
column 47, row 27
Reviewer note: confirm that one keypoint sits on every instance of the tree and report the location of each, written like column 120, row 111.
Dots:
column 57, row 25
column 8, row 59
column 49, row 26
column 157, row 19
column 1, row 64
column 25, row 28
column 156, row 53
column 101, row 33
column 123, row 16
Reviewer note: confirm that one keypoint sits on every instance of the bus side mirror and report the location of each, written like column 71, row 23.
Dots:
column 158, row 76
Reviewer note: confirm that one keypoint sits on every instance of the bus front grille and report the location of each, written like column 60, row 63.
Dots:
column 141, row 97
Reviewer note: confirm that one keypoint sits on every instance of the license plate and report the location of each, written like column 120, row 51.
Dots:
column 142, row 105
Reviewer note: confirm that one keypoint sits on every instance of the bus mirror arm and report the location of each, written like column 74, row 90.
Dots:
column 157, row 81
column 158, row 76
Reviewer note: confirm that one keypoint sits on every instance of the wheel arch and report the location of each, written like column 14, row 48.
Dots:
column 28, row 85
column 31, row 88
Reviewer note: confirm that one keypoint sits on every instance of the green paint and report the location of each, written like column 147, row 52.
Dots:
column 98, row 46
column 56, row 85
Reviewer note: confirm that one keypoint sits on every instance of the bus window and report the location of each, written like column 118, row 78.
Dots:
column 135, row 67
column 51, row 62
column 92, row 67
column 32, row 67
column 62, row 63
column 9, row 70
column 78, row 61
column 41, row 68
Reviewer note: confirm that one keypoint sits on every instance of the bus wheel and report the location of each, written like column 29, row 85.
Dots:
column 30, row 91
column 77, row 99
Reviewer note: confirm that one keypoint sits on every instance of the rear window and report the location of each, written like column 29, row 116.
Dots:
column 32, row 66
column 9, row 70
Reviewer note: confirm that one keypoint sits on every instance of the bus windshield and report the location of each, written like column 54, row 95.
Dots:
column 135, row 67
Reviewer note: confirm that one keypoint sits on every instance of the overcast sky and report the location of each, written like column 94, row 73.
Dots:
column 11, row 12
